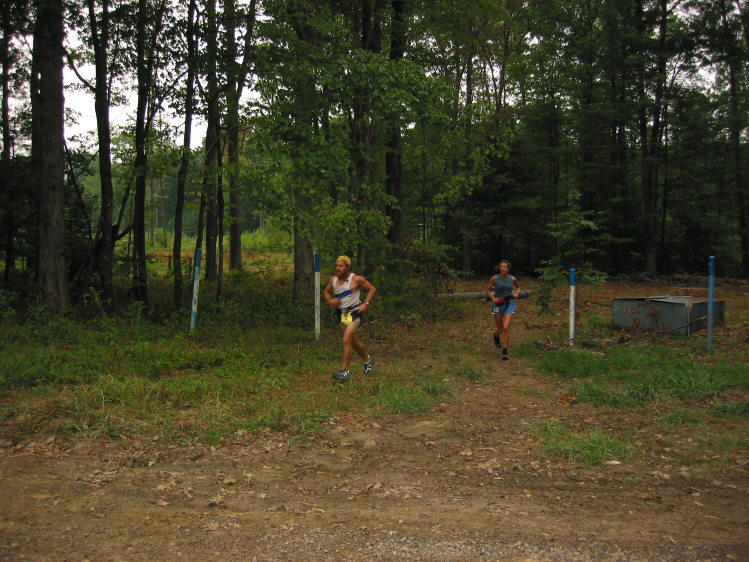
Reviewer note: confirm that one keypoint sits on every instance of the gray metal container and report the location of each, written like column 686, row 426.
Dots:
column 681, row 315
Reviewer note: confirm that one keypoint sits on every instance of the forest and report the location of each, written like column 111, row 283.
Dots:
column 437, row 137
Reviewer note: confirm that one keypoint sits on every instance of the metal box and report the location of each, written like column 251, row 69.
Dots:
column 681, row 315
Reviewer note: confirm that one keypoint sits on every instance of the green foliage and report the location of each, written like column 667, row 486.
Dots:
column 436, row 387
column 628, row 378
column 679, row 417
column 731, row 409
column 405, row 400
column 272, row 238
column 468, row 372
column 591, row 448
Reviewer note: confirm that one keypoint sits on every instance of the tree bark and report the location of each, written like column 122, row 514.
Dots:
column 393, row 155
column 10, row 253
column 237, row 75
column 48, row 152
column 648, row 166
column 736, row 123
column 100, row 39
column 184, row 163
column 146, row 45
column 213, row 138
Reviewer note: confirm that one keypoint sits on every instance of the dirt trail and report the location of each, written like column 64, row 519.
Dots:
column 465, row 482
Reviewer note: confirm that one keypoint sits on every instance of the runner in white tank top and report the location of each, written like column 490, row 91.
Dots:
column 343, row 293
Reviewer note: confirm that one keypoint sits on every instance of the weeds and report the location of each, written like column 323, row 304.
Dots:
column 469, row 372
column 729, row 410
column 680, row 417
column 412, row 401
column 591, row 448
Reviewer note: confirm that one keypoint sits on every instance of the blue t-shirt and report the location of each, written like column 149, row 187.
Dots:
column 504, row 287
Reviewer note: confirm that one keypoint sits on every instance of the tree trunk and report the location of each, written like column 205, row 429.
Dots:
column 304, row 277
column 393, row 155
column 736, row 123
column 100, row 40
column 649, row 188
column 184, row 163
column 237, row 74
column 213, row 136
column 10, row 253
column 48, row 152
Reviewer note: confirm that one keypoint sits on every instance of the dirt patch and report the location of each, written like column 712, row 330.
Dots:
column 468, row 481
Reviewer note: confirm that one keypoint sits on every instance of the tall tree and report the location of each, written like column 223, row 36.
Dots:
column 48, row 151
column 148, row 30
column 212, row 142
column 184, row 163
column 236, row 77
column 13, row 17
column 394, row 154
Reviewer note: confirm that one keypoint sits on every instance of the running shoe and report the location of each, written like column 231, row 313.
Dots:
column 342, row 376
column 505, row 355
column 368, row 366
column 496, row 341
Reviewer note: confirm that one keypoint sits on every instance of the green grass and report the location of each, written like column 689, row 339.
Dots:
column 731, row 409
column 681, row 417
column 591, row 448
column 405, row 400
column 139, row 371
column 640, row 376
column 468, row 372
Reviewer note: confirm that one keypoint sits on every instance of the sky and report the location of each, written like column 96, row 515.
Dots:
column 82, row 103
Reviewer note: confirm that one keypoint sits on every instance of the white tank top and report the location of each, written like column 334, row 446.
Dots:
column 349, row 298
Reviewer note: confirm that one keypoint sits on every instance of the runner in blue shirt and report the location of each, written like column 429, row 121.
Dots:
column 502, row 289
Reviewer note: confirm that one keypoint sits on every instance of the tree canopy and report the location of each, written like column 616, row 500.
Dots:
column 607, row 135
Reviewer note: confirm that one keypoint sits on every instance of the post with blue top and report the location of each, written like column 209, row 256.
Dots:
column 195, row 286
column 710, row 301
column 317, row 295
column 573, row 298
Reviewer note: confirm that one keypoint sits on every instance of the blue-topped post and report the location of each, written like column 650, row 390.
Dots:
column 710, row 302
column 195, row 287
column 317, row 295
column 573, row 298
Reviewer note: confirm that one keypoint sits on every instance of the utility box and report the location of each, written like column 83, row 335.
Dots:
column 681, row 315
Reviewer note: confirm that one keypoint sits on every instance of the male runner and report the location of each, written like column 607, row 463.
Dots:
column 345, row 287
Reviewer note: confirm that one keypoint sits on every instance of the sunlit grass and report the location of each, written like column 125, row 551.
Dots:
column 593, row 447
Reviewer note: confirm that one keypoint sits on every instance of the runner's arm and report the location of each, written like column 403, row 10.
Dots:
column 490, row 289
column 326, row 293
column 362, row 283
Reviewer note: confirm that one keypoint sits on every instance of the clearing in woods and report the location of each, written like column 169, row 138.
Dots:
column 466, row 481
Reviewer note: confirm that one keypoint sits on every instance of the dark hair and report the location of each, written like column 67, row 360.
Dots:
column 509, row 265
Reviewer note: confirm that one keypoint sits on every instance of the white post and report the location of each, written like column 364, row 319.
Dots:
column 573, row 297
column 195, row 291
column 317, row 295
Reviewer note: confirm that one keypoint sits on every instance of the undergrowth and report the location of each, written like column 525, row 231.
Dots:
column 252, row 363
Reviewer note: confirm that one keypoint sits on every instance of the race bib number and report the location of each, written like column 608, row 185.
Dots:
column 346, row 318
